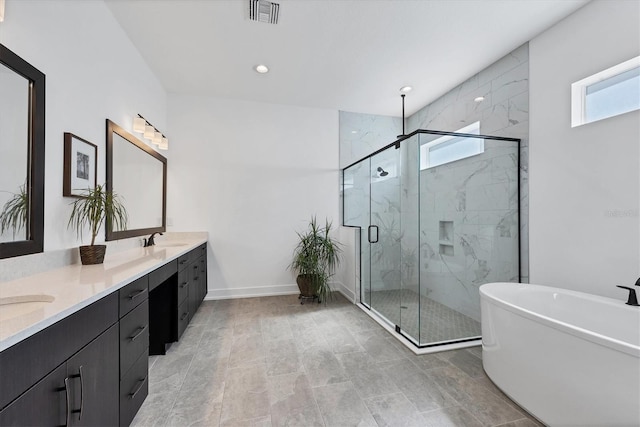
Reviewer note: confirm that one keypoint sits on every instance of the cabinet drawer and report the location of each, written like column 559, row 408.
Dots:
column 156, row 277
column 134, row 388
column 133, row 294
column 134, row 336
column 184, row 278
column 183, row 317
column 184, row 260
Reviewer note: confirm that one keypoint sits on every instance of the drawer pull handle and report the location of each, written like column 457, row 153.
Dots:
column 184, row 284
column 184, row 316
column 184, row 261
column 132, row 395
column 195, row 267
column 66, row 392
column 135, row 295
column 141, row 329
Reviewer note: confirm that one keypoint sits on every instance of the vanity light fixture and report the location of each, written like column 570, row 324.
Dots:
column 141, row 125
column 262, row 69
column 157, row 138
column 149, row 132
column 406, row 89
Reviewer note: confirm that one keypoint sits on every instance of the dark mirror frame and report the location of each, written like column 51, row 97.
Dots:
column 36, row 156
column 116, row 235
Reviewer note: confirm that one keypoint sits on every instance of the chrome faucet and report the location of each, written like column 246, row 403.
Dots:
column 633, row 299
column 150, row 242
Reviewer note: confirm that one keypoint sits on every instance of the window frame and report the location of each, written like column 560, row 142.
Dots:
column 579, row 91
column 472, row 129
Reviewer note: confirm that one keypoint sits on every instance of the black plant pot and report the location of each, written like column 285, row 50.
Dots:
column 92, row 254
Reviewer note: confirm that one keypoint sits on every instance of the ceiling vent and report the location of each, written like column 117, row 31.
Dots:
column 264, row 11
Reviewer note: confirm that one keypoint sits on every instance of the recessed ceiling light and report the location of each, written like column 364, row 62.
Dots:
column 405, row 89
column 262, row 69
column 354, row 131
column 479, row 99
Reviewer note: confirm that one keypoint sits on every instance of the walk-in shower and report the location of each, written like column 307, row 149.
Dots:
column 441, row 221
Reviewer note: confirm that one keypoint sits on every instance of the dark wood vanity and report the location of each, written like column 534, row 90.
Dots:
column 91, row 367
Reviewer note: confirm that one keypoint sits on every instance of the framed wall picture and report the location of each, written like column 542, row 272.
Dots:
column 80, row 165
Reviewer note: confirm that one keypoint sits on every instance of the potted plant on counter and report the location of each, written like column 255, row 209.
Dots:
column 91, row 209
column 315, row 259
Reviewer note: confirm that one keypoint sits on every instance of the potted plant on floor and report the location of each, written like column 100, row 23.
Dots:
column 92, row 208
column 315, row 259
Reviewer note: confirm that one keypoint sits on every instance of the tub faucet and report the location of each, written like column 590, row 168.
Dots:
column 150, row 242
column 633, row 299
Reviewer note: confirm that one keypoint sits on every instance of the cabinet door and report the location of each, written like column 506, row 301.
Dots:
column 44, row 404
column 194, row 289
column 203, row 276
column 95, row 382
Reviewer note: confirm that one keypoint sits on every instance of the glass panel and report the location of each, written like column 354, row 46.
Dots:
column 616, row 95
column 14, row 156
column 385, row 231
column 409, row 238
column 138, row 180
column 356, row 181
column 468, row 237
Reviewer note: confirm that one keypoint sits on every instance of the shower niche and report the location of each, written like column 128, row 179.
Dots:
column 446, row 238
column 440, row 221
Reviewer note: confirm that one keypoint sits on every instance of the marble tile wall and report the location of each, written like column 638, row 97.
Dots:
column 504, row 112
column 468, row 226
column 362, row 134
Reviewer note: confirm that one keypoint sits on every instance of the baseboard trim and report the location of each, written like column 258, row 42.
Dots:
column 346, row 292
column 252, row 292
column 269, row 291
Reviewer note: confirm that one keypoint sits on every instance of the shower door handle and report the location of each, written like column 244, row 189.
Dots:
column 371, row 227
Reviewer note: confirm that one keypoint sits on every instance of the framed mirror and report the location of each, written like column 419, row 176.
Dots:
column 138, row 174
column 22, row 111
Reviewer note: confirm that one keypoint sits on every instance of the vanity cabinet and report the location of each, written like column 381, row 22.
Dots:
column 91, row 367
column 66, row 374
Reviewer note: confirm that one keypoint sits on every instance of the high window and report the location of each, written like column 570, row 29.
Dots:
column 448, row 149
column 608, row 93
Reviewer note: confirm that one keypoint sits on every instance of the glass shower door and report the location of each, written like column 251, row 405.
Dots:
column 384, row 235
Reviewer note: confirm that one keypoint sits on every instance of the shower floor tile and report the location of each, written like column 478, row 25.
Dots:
column 437, row 322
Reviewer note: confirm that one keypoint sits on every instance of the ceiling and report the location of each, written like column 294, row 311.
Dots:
column 350, row 55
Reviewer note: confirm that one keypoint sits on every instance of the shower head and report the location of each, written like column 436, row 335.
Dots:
column 382, row 171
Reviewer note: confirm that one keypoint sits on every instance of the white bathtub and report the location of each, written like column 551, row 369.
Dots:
column 569, row 358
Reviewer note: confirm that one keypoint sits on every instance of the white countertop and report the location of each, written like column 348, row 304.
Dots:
column 76, row 286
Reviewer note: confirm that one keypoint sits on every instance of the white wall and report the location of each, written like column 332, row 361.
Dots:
column 585, row 181
column 93, row 72
column 251, row 174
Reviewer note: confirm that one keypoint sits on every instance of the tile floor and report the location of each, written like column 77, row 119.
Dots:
column 437, row 321
column 273, row 362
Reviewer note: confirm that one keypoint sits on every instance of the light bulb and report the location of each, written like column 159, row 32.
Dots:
column 149, row 132
column 139, row 124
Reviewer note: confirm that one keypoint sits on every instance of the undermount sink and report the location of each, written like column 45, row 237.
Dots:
column 23, row 299
column 19, row 306
column 171, row 244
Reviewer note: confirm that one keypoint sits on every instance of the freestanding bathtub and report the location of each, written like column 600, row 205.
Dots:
column 569, row 358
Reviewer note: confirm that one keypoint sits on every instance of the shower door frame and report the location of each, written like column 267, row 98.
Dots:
column 396, row 144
